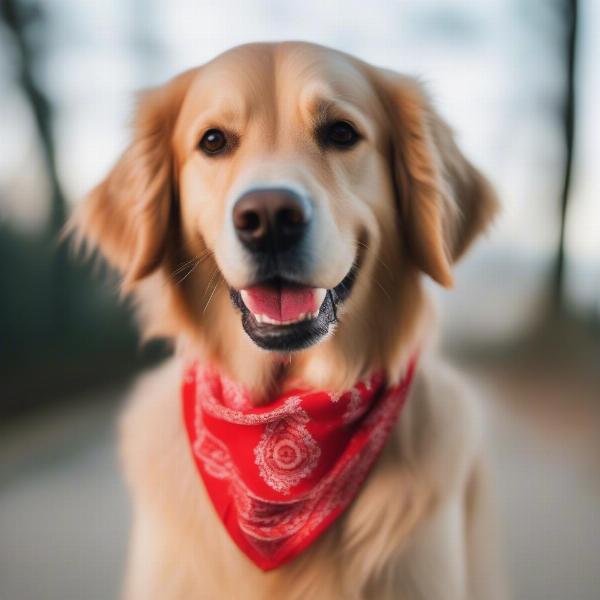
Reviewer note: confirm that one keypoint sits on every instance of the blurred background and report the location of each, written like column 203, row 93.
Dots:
column 518, row 81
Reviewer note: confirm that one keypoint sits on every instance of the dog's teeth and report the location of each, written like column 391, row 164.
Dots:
column 264, row 319
column 244, row 295
column 320, row 294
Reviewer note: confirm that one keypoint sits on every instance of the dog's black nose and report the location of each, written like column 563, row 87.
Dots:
column 271, row 220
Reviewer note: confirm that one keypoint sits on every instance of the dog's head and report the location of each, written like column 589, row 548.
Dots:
column 281, row 189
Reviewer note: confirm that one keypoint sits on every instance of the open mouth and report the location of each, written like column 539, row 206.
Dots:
column 283, row 316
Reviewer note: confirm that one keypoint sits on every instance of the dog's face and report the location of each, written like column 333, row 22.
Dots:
column 283, row 175
column 305, row 181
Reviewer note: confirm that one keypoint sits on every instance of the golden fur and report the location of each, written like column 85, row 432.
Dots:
column 409, row 203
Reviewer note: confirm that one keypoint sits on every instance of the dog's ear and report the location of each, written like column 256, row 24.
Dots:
column 445, row 202
column 127, row 215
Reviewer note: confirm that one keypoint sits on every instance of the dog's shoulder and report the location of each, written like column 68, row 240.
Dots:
column 151, row 428
column 149, row 395
column 440, row 431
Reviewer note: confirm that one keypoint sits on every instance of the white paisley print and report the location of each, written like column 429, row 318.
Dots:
column 286, row 452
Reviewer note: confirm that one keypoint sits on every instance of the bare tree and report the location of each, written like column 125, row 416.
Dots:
column 21, row 18
column 568, row 123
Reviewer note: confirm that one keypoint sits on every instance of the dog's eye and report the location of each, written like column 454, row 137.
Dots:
column 214, row 141
column 340, row 134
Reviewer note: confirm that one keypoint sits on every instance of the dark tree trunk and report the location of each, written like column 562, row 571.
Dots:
column 19, row 17
column 568, row 123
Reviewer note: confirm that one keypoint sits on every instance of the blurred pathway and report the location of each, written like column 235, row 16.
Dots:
column 63, row 508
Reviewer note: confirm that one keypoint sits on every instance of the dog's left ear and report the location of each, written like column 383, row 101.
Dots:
column 445, row 202
column 126, row 217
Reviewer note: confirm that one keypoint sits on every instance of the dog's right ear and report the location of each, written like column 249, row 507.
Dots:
column 126, row 217
column 444, row 201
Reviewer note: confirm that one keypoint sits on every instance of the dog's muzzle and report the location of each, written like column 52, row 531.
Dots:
column 280, row 309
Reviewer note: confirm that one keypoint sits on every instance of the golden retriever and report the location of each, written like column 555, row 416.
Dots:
column 350, row 186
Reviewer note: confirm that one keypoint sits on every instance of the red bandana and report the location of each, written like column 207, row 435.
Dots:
column 279, row 475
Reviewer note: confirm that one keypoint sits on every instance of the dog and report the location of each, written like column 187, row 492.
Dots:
column 275, row 216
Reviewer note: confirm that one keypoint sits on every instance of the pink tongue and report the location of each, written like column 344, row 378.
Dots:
column 281, row 304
